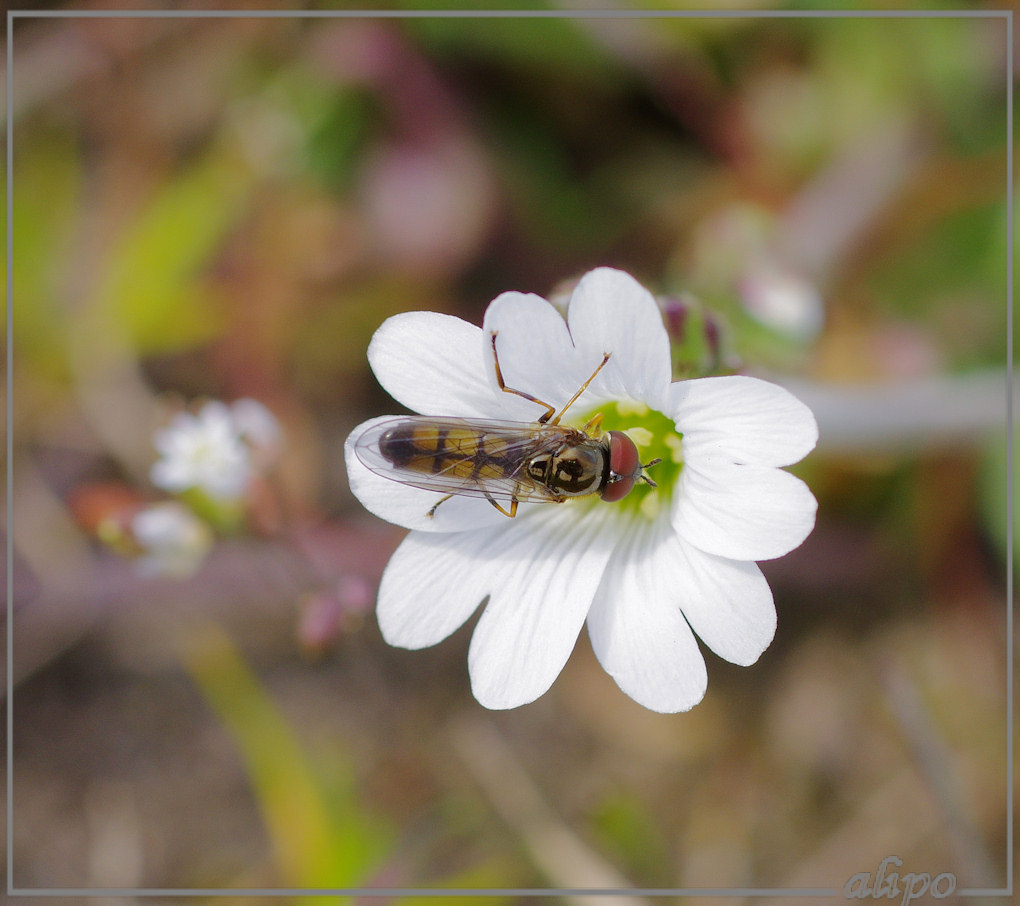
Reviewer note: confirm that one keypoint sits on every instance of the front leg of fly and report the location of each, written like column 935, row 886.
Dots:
column 549, row 410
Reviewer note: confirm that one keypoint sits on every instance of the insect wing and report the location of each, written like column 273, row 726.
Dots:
column 474, row 457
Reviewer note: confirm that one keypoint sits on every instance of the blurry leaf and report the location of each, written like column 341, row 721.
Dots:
column 552, row 200
column 334, row 122
column 939, row 277
column 494, row 874
column 152, row 289
column 958, row 64
column 321, row 837
column 628, row 831
column 46, row 196
column 766, row 347
column 339, row 137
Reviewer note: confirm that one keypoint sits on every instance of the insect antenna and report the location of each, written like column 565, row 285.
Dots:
column 644, row 477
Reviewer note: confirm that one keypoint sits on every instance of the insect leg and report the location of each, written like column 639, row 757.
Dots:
column 432, row 512
column 495, row 503
column 549, row 410
column 583, row 387
column 513, row 506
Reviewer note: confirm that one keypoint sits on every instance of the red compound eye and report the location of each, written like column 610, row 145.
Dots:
column 624, row 463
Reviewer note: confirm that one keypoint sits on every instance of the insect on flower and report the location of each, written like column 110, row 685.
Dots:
column 645, row 579
column 504, row 460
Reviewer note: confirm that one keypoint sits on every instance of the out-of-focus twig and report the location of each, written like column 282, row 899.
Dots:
column 868, row 835
column 246, row 584
column 910, row 416
column 55, row 57
column 935, row 764
column 821, row 225
column 556, row 850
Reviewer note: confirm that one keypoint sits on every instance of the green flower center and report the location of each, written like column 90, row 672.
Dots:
column 656, row 437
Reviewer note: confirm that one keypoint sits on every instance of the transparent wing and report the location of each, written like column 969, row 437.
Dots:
column 475, row 457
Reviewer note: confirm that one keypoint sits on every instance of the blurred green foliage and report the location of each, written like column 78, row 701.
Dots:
column 626, row 832
column 152, row 284
column 320, row 834
column 48, row 168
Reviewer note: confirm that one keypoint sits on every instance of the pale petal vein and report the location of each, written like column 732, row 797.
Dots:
column 728, row 603
column 636, row 626
column 542, row 579
column 742, row 512
column 610, row 311
column 536, row 354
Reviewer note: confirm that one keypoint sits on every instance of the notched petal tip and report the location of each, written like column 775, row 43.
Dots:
column 543, row 582
column 637, row 629
column 610, row 311
column 535, row 351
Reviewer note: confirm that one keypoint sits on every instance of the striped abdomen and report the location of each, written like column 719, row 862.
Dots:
column 462, row 452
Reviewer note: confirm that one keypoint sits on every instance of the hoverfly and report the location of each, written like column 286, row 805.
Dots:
column 504, row 460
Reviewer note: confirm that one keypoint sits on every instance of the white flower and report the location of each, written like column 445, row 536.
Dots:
column 645, row 573
column 173, row 540
column 213, row 450
column 258, row 427
column 782, row 300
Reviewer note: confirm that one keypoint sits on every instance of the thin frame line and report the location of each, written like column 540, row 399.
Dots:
column 1007, row 15
column 9, row 447
column 511, row 14
column 435, row 891
column 1010, row 665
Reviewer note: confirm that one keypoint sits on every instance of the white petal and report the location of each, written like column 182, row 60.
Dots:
column 742, row 419
column 406, row 506
column 742, row 512
column 636, row 626
column 214, row 417
column 727, row 602
column 257, row 425
column 166, row 441
column 542, row 578
column 171, row 475
column 536, row 355
column 433, row 364
column 610, row 311
column 431, row 585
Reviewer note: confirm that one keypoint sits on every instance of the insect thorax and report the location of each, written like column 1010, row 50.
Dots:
column 573, row 470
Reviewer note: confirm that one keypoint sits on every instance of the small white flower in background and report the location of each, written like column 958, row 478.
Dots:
column 645, row 573
column 173, row 541
column 782, row 300
column 258, row 427
column 202, row 451
column 216, row 450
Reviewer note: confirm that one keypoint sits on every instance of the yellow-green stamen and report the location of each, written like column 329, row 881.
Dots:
column 656, row 437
